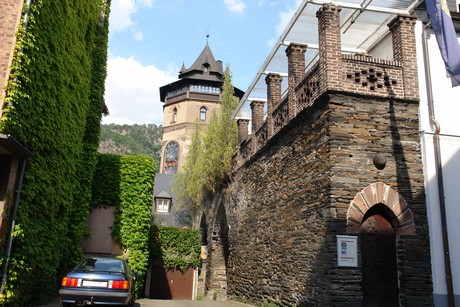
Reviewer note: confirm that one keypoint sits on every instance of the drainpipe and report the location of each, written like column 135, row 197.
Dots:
column 13, row 218
column 439, row 175
column 26, row 15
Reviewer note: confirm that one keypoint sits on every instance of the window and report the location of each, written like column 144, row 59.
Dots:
column 174, row 119
column 204, row 89
column 203, row 111
column 162, row 205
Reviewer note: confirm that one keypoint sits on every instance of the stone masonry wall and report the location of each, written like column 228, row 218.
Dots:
column 287, row 206
column 297, row 178
column 275, row 212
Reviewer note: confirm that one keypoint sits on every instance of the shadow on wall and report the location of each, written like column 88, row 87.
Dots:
column 289, row 203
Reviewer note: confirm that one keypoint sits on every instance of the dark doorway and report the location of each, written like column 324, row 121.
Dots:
column 379, row 264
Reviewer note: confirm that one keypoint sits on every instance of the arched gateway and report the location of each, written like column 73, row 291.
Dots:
column 379, row 214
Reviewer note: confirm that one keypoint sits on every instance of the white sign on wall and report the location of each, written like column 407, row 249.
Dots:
column 347, row 251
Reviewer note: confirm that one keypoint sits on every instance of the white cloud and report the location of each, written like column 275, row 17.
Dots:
column 121, row 12
column 132, row 91
column 235, row 6
column 285, row 17
column 270, row 3
column 147, row 3
column 138, row 35
column 271, row 42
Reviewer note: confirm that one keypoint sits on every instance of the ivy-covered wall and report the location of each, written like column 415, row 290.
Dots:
column 175, row 248
column 126, row 182
column 54, row 102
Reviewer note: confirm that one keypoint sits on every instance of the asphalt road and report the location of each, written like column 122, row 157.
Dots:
column 176, row 303
column 180, row 303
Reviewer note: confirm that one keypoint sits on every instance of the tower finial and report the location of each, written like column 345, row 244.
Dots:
column 207, row 35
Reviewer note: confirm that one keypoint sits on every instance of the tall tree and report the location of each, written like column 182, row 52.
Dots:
column 208, row 160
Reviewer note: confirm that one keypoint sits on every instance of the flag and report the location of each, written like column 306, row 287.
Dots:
column 446, row 37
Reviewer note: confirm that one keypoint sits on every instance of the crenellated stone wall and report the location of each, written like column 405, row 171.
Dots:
column 286, row 206
column 318, row 166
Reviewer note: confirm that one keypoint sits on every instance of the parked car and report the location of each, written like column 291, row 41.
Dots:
column 98, row 280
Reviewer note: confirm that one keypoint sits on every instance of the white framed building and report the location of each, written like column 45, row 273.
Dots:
column 441, row 102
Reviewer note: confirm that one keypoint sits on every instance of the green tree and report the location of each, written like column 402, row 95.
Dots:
column 208, row 161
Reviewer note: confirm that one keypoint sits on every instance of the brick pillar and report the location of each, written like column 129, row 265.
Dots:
column 257, row 115
column 403, row 35
column 273, row 98
column 296, row 69
column 330, row 56
column 243, row 125
column 9, row 21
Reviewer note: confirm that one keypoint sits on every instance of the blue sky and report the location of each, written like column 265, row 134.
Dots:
column 150, row 39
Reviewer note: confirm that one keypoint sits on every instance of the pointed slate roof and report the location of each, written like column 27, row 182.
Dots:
column 204, row 61
column 162, row 187
column 205, row 70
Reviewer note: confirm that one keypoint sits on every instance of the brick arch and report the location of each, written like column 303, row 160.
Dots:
column 380, row 193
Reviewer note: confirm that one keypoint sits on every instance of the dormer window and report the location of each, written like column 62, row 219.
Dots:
column 206, row 67
column 162, row 205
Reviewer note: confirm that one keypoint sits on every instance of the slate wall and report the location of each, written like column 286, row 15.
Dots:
column 288, row 203
column 295, row 178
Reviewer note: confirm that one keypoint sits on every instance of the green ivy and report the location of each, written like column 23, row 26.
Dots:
column 126, row 182
column 176, row 248
column 54, row 100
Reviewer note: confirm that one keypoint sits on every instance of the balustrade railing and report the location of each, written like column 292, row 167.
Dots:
column 360, row 75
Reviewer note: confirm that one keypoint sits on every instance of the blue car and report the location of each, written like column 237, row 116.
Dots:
column 98, row 280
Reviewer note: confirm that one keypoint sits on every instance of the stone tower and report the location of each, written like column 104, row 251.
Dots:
column 187, row 101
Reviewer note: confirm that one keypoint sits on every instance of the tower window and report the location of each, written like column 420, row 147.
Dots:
column 171, row 158
column 203, row 111
column 174, row 119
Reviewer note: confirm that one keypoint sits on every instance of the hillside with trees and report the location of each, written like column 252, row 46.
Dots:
column 131, row 140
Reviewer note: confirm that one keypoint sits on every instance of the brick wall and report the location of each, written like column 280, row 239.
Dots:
column 296, row 68
column 9, row 20
column 10, row 13
column 402, row 29
column 273, row 98
column 257, row 111
column 243, row 125
column 329, row 47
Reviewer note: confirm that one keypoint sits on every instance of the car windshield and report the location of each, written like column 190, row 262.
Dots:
column 100, row 264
